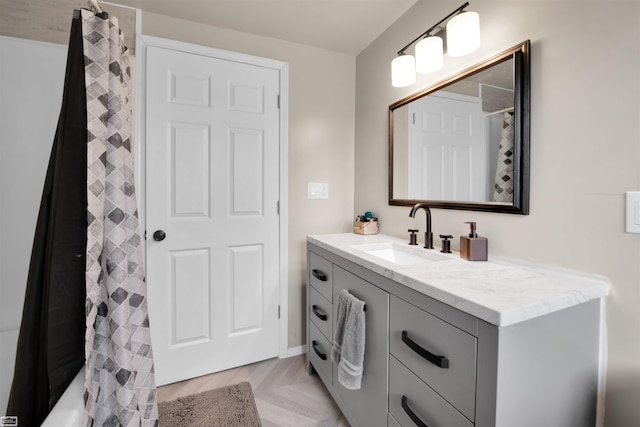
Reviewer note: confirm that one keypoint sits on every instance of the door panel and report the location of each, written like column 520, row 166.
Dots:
column 247, row 149
column 246, row 280
column 190, row 169
column 190, row 295
column 212, row 163
column 446, row 149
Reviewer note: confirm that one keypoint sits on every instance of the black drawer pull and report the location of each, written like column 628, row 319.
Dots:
column 439, row 361
column 319, row 275
column 320, row 354
column 411, row 414
column 317, row 312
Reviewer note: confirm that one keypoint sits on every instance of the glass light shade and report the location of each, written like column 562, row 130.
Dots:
column 429, row 55
column 403, row 71
column 463, row 34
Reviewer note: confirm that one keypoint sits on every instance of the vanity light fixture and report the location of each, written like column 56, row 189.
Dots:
column 403, row 70
column 462, row 31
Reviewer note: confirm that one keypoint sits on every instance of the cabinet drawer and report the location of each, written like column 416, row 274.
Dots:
column 319, row 354
column 441, row 355
column 321, row 313
column 321, row 275
column 410, row 397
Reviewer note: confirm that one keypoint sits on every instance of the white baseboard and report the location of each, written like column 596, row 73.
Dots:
column 296, row 351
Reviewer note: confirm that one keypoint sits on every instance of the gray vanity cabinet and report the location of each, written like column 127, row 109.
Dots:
column 428, row 363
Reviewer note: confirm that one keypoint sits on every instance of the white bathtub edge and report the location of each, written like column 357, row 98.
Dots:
column 69, row 410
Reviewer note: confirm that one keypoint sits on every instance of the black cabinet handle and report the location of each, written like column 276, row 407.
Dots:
column 320, row 354
column 319, row 275
column 412, row 414
column 439, row 361
column 317, row 312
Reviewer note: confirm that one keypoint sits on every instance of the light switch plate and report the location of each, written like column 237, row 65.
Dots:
column 633, row 212
column 317, row 190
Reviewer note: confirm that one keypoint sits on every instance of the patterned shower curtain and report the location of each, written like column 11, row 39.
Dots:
column 120, row 384
column 503, row 187
column 85, row 299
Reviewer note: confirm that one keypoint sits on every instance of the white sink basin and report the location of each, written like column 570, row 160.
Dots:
column 401, row 254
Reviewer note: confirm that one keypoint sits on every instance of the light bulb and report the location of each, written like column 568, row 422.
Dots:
column 463, row 34
column 429, row 55
column 403, row 71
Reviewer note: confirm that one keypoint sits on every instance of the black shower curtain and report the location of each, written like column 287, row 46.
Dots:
column 51, row 342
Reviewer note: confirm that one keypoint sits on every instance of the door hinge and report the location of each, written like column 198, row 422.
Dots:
column 278, row 207
column 278, row 101
column 414, row 119
column 278, row 312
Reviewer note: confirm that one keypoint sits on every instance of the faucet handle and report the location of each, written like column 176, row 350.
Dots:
column 446, row 243
column 413, row 238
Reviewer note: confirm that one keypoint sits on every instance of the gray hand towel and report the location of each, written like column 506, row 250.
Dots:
column 341, row 316
column 349, row 340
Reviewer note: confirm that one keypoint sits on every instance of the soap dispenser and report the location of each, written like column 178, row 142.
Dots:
column 473, row 247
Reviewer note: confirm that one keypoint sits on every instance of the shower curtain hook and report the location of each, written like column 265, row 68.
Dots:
column 95, row 5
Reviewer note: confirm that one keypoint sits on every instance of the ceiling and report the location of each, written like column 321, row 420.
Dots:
column 345, row 26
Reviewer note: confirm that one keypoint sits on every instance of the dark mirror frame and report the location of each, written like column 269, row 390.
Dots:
column 522, row 69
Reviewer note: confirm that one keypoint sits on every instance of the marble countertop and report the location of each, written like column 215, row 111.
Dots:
column 501, row 292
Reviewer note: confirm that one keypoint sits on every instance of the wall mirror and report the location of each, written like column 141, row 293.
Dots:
column 463, row 143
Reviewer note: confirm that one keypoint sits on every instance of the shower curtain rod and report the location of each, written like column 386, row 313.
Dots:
column 504, row 110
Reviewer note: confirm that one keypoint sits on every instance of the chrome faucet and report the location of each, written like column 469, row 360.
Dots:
column 428, row 235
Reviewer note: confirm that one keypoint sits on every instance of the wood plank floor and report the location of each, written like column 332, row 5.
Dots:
column 285, row 394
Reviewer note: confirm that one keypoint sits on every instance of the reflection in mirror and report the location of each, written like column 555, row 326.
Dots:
column 463, row 143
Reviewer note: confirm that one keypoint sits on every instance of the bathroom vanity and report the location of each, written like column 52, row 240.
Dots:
column 455, row 343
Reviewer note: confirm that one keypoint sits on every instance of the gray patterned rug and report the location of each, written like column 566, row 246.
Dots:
column 228, row 406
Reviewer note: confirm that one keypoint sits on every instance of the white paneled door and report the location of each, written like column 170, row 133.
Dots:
column 212, row 191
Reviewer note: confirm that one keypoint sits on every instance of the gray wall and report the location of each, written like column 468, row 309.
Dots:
column 585, row 151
